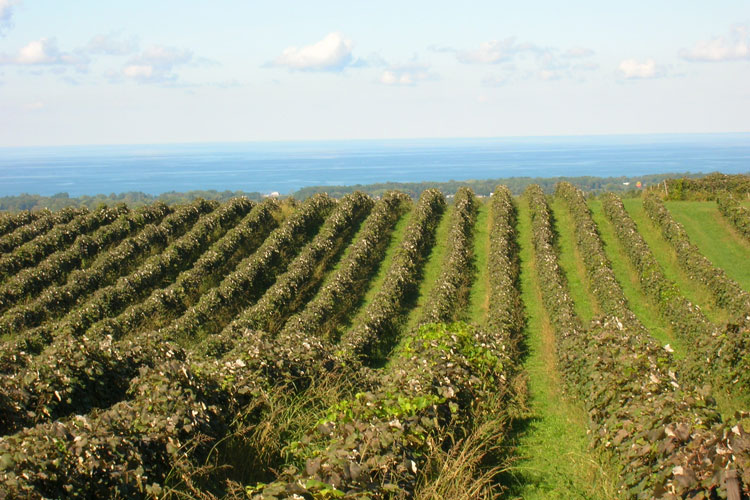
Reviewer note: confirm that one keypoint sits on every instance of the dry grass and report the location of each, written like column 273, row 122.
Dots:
column 471, row 468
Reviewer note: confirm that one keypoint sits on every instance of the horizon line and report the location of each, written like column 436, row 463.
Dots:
column 389, row 139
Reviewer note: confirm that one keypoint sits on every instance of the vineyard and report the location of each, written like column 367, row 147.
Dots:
column 534, row 346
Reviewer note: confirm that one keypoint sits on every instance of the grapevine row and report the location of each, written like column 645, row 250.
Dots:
column 9, row 222
column 173, row 412
column 735, row 213
column 111, row 300
column 31, row 253
column 655, row 425
column 438, row 381
column 58, row 300
column 719, row 356
column 450, row 294
column 726, row 292
column 604, row 284
column 505, row 315
column 348, row 283
column 72, row 376
column 46, row 221
column 254, row 274
column 684, row 316
column 166, row 304
column 293, row 287
column 381, row 319
column 56, row 267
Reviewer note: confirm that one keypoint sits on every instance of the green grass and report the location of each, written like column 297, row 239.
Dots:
column 478, row 296
column 715, row 237
column 572, row 263
column 628, row 277
column 374, row 286
column 554, row 460
column 432, row 268
column 667, row 258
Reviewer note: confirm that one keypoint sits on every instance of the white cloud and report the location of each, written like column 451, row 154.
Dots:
column 409, row 74
column 734, row 47
column 534, row 61
column 44, row 52
column 111, row 45
column 332, row 53
column 632, row 69
column 156, row 65
column 490, row 52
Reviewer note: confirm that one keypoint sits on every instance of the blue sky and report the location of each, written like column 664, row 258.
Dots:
column 93, row 72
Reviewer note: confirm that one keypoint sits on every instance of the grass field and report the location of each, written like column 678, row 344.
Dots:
column 715, row 237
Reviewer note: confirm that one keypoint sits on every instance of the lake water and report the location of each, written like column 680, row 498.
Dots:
column 287, row 166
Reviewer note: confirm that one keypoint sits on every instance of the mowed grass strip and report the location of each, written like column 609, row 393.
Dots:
column 554, row 460
column 627, row 276
column 665, row 255
column 377, row 281
column 431, row 269
column 478, row 296
column 715, row 237
column 571, row 261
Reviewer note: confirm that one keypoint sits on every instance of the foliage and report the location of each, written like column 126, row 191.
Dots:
column 485, row 187
column 375, row 445
column 703, row 188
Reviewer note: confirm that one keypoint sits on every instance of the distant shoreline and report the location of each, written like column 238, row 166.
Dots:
column 482, row 187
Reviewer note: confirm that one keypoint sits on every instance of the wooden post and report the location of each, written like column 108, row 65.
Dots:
column 666, row 194
column 733, row 485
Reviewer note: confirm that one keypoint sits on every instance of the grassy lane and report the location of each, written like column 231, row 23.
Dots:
column 379, row 277
column 715, row 237
column 628, row 277
column 478, row 296
column 553, row 448
column 667, row 259
column 572, row 262
column 431, row 270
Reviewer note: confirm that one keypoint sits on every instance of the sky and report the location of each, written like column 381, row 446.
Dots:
column 165, row 71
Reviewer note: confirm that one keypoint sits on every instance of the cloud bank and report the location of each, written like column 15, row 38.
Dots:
column 733, row 47
column 156, row 65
